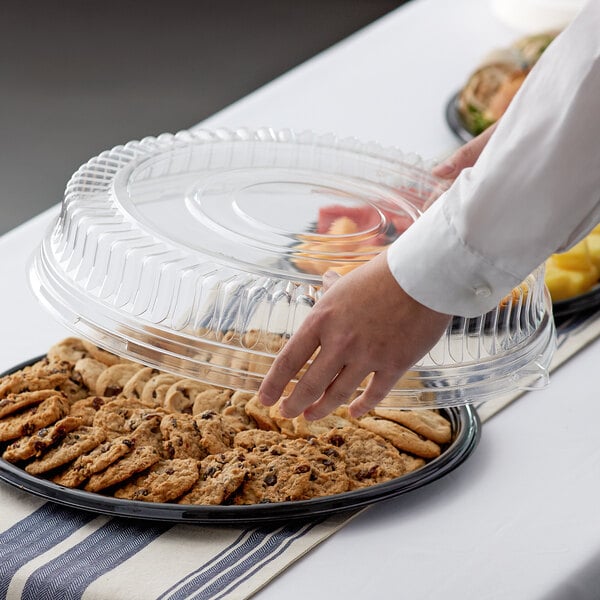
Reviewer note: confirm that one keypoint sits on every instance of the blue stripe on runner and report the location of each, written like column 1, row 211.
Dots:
column 249, row 572
column 215, row 558
column 211, row 569
column 166, row 595
column 67, row 576
column 35, row 534
column 242, row 556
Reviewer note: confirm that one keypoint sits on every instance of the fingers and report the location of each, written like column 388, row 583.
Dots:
column 364, row 323
column 324, row 369
column 287, row 364
column 466, row 156
column 291, row 359
column 339, row 391
column 377, row 389
column 329, row 278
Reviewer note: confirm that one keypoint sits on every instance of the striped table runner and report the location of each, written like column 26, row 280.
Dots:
column 51, row 552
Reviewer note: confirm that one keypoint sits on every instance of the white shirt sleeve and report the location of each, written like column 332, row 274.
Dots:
column 534, row 191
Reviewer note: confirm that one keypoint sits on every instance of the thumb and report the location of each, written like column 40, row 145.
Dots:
column 466, row 156
column 329, row 278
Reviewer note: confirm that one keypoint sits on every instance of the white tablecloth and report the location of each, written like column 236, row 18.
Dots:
column 519, row 519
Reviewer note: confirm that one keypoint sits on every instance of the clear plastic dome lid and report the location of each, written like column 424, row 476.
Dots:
column 201, row 253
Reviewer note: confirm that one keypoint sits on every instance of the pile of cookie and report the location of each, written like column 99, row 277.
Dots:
column 84, row 418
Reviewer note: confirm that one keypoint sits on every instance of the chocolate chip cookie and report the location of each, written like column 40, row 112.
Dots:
column 93, row 462
column 74, row 444
column 220, row 476
column 369, row 458
column 37, row 443
column 293, row 470
column 135, row 462
column 427, row 423
column 31, row 419
column 165, row 481
column 15, row 402
column 401, row 437
column 182, row 437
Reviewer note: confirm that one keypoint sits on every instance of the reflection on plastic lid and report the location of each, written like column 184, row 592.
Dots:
column 201, row 253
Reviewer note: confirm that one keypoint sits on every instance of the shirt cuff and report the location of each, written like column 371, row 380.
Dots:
column 437, row 268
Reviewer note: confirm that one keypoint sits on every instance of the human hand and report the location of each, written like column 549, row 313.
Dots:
column 465, row 156
column 365, row 323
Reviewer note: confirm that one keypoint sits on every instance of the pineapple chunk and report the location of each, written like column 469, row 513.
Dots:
column 566, row 283
column 576, row 258
column 593, row 240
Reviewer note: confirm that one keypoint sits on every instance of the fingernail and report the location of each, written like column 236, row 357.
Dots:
column 284, row 411
column 331, row 276
column 445, row 168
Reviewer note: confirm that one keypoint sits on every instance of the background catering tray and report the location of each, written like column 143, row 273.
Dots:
column 562, row 308
column 578, row 304
column 454, row 120
column 466, row 429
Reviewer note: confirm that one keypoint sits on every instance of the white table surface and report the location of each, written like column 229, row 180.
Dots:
column 519, row 519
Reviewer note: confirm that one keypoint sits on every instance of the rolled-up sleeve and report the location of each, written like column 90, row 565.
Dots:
column 534, row 191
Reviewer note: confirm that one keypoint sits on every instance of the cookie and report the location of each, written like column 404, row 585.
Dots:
column 70, row 349
column 297, row 469
column 103, row 356
column 252, row 438
column 181, row 395
column 212, row 399
column 42, row 375
column 135, row 386
column 401, row 437
column 135, row 462
column 35, row 444
column 304, row 428
column 147, row 433
column 139, row 433
column 233, row 359
column 156, row 388
column 15, row 402
column 98, row 459
column 260, row 413
column 216, row 435
column 31, row 419
column 220, row 476
column 73, row 390
column 182, row 437
column 427, row 423
column 114, row 378
column 87, row 408
column 324, row 455
column 145, row 430
column 86, row 371
column 235, row 413
column 284, row 424
column 263, row 340
column 369, row 458
column 74, row 444
column 165, row 481
column 115, row 417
